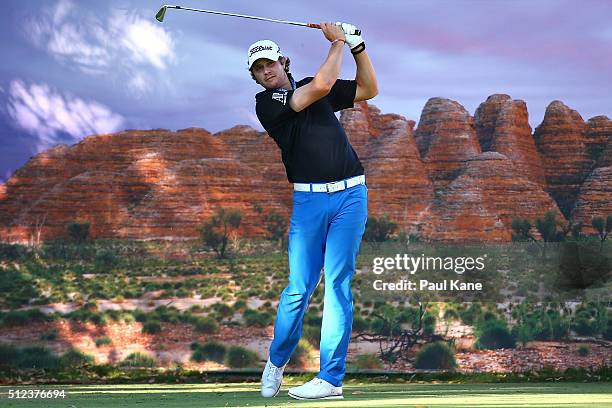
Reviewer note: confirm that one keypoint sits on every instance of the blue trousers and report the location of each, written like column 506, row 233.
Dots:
column 325, row 231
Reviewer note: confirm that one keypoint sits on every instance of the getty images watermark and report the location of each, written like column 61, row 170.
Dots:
column 404, row 263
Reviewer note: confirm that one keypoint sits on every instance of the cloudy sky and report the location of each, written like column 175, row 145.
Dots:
column 72, row 68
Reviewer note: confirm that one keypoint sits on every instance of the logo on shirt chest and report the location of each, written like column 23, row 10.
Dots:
column 280, row 97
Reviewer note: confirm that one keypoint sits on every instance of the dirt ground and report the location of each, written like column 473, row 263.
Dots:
column 171, row 347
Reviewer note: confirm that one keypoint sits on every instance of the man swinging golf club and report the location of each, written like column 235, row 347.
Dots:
column 329, row 199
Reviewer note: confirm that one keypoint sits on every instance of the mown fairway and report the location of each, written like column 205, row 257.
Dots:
column 356, row 395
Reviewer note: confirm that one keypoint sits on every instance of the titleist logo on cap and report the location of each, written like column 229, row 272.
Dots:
column 259, row 48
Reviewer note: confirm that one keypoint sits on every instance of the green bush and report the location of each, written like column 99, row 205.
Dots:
column 494, row 334
column 437, row 355
column 138, row 360
column 240, row 357
column 206, row 325
column 583, row 350
column 151, row 327
column 37, row 357
column 105, row 258
column 302, row 354
column 360, row 325
column 103, row 341
column 471, row 314
column 49, row 335
column 211, row 351
column 23, row 317
column 367, row 362
column 74, row 358
column 253, row 318
column 379, row 229
column 12, row 252
column 312, row 333
column 591, row 319
column 78, row 231
column 429, row 324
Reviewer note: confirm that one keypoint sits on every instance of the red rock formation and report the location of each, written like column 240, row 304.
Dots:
column 138, row 184
column 502, row 125
column 561, row 139
column 398, row 183
column 162, row 184
column 446, row 138
column 598, row 138
column 481, row 202
column 595, row 199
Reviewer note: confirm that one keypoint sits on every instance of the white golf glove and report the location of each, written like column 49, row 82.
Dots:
column 352, row 40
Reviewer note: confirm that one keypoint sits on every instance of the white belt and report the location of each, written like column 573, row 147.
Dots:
column 329, row 187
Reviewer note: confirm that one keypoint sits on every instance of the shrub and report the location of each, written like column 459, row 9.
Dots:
column 74, row 358
column 103, row 341
column 36, row 357
column 470, row 315
column 78, row 231
column 49, row 335
column 312, row 333
column 23, row 317
column 591, row 319
column 211, row 351
column 437, row 355
column 206, row 325
column 360, row 324
column 240, row 357
column 494, row 334
column 138, row 360
column 302, row 354
column 429, row 324
column 451, row 314
column 583, row 350
column 379, row 229
column 254, row 318
column 151, row 327
column 12, row 252
column 367, row 362
column 105, row 258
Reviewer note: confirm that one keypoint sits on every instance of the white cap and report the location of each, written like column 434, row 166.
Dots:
column 263, row 49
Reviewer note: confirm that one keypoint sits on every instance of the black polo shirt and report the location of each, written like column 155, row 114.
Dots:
column 314, row 146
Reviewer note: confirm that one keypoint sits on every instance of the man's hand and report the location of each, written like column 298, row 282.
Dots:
column 352, row 40
column 333, row 32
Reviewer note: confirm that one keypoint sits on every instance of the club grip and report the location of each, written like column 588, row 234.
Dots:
column 313, row 25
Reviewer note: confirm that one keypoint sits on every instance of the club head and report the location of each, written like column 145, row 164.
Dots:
column 161, row 14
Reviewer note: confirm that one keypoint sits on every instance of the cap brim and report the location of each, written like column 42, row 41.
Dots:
column 271, row 55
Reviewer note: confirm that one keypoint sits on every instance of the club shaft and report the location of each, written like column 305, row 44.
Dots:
column 245, row 16
column 222, row 13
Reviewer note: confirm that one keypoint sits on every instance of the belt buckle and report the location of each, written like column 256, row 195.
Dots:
column 334, row 186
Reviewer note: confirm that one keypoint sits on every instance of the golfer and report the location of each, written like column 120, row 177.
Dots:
column 329, row 200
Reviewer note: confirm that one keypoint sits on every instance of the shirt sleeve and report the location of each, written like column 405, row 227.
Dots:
column 342, row 94
column 273, row 110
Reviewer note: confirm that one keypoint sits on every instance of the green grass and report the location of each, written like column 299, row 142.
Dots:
column 355, row 395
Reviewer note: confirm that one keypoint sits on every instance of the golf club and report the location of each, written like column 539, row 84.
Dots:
column 162, row 13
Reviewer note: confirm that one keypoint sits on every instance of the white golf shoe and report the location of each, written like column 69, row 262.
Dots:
column 271, row 380
column 316, row 389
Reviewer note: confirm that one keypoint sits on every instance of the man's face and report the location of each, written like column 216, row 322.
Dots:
column 270, row 74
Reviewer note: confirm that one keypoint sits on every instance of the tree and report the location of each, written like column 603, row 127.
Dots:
column 78, row 231
column 389, row 329
column 216, row 231
column 275, row 225
column 603, row 228
column 521, row 230
column 379, row 229
column 547, row 226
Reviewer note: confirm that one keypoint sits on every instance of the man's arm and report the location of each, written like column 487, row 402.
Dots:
column 367, row 86
column 327, row 74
